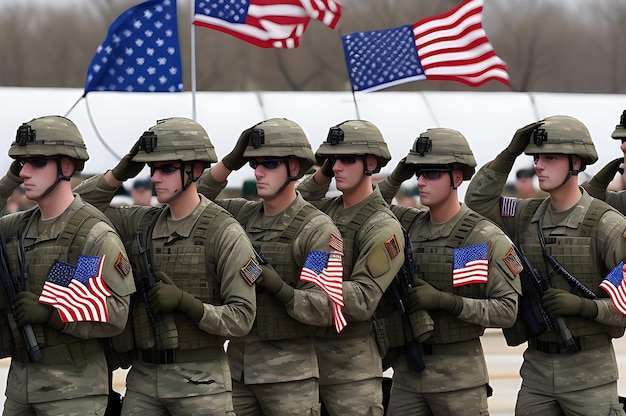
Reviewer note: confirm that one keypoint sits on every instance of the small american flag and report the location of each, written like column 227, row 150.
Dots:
column 449, row 47
column 265, row 23
column 326, row 270
column 470, row 265
column 77, row 292
column 141, row 52
column 507, row 206
column 615, row 285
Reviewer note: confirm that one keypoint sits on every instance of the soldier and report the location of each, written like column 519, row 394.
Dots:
column 350, row 362
column 561, row 373
column 61, row 249
column 274, row 368
column 597, row 186
column 462, row 298
column 199, row 257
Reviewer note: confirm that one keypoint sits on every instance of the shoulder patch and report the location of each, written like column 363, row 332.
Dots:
column 513, row 261
column 336, row 243
column 507, row 206
column 251, row 271
column 122, row 265
column 392, row 246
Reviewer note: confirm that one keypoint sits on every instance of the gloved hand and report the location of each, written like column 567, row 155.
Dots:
column 274, row 285
column 421, row 324
column 126, row 168
column 166, row 297
column 425, row 297
column 402, row 172
column 30, row 311
column 600, row 181
column 521, row 138
column 563, row 303
column 14, row 171
column 327, row 169
column 235, row 160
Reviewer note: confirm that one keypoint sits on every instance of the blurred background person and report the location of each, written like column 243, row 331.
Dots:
column 142, row 192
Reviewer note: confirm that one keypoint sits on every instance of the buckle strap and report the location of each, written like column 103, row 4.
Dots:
column 176, row 356
column 586, row 343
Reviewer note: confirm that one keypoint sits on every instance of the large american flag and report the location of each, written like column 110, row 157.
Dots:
column 326, row 270
column 141, row 52
column 265, row 23
column 471, row 265
column 615, row 285
column 77, row 292
column 452, row 47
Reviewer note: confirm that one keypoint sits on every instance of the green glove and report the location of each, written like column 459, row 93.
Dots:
column 327, row 169
column 274, row 285
column 235, row 160
column 505, row 160
column 563, row 303
column 30, row 311
column 14, row 171
column 166, row 297
column 600, row 181
column 421, row 324
column 425, row 297
column 402, row 172
column 126, row 168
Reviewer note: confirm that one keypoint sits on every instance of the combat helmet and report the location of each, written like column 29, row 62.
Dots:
column 50, row 136
column 563, row 135
column 355, row 137
column 620, row 130
column 443, row 147
column 176, row 138
column 280, row 137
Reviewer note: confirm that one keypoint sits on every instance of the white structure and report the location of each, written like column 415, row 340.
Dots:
column 487, row 119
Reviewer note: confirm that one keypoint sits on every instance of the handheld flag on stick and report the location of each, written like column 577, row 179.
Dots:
column 615, row 285
column 265, row 23
column 141, row 52
column 450, row 47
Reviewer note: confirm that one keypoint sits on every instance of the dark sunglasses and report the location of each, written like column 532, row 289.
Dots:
column 35, row 162
column 345, row 160
column 267, row 163
column 431, row 175
column 166, row 169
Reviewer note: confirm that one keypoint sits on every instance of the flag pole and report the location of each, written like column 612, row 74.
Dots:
column 356, row 106
column 72, row 107
column 193, row 63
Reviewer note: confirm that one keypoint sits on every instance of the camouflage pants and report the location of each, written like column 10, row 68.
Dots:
column 600, row 400
column 363, row 398
column 140, row 404
column 294, row 398
column 90, row 405
column 406, row 401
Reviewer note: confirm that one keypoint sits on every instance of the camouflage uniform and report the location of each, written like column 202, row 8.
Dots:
column 588, row 241
column 274, row 368
column 71, row 377
column 186, row 373
column 350, row 362
column 455, row 374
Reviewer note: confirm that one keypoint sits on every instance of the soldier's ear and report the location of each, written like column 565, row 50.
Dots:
column 457, row 177
column 294, row 166
column 67, row 166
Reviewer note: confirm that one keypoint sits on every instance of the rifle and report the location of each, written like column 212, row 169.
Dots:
column 399, row 290
column 11, row 287
column 145, row 281
column 533, row 287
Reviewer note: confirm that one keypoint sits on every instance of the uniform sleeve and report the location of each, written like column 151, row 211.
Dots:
column 8, row 183
column 608, row 315
column 96, row 191
column 310, row 190
column 235, row 316
column 617, row 200
column 380, row 258
column 484, row 196
column 310, row 305
column 388, row 189
column 118, row 276
column 208, row 186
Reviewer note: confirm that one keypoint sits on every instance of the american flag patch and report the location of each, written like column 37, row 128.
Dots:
column 122, row 265
column 251, row 271
column 392, row 246
column 513, row 261
column 336, row 243
column 507, row 206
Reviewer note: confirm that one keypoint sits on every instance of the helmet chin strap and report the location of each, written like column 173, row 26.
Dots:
column 572, row 171
column 191, row 179
column 366, row 171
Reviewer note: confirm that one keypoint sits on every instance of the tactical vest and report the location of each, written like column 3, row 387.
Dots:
column 435, row 263
column 351, row 250
column 272, row 320
column 189, row 262
column 577, row 254
column 39, row 258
